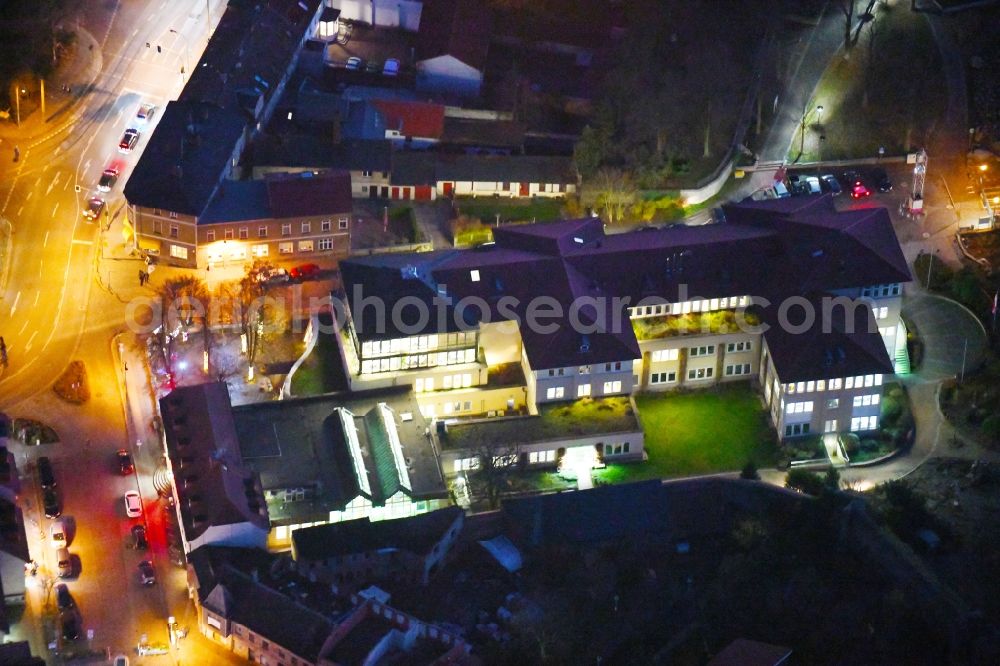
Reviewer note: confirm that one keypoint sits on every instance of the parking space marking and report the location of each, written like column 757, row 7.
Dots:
column 54, row 209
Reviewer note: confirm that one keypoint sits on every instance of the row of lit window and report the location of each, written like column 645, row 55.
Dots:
column 881, row 290
column 860, row 381
column 582, row 391
column 411, row 361
column 426, row 384
column 416, row 343
column 686, row 307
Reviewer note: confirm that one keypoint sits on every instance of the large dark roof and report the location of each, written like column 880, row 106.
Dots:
column 237, row 201
column 249, row 53
column 186, row 158
column 416, row 534
column 770, row 252
column 227, row 591
column 301, row 443
column 844, row 344
column 212, row 486
column 459, row 28
column 306, row 193
column 302, row 150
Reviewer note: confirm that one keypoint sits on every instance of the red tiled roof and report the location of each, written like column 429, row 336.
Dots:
column 306, row 193
column 412, row 118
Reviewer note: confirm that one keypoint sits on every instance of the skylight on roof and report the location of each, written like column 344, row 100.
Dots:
column 351, row 433
column 577, row 239
column 394, row 444
column 474, row 275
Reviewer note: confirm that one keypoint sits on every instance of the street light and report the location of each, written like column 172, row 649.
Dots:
column 819, row 114
column 187, row 52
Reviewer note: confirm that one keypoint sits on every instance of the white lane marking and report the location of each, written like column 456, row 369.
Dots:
column 86, row 165
column 30, row 192
column 54, row 209
column 66, row 184
column 82, row 242
column 23, row 326
column 37, row 294
column 57, row 150
column 55, row 181
column 135, row 32
column 27, row 347
column 13, row 308
column 46, row 168
column 19, row 211
column 45, row 242
column 38, row 181
column 150, row 18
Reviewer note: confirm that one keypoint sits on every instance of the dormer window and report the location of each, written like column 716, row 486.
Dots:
column 474, row 275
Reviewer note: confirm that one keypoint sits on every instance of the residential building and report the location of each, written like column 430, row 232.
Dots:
column 416, row 176
column 340, row 457
column 404, row 14
column 248, row 602
column 368, row 161
column 197, row 144
column 653, row 309
column 14, row 556
column 218, row 501
column 355, row 553
column 283, row 216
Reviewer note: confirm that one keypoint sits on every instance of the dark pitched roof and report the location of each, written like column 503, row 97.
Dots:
column 231, row 593
column 845, row 344
column 417, row 119
column 186, row 158
column 607, row 513
column 306, row 150
column 306, row 193
column 771, row 253
column 212, row 486
column 493, row 133
column 459, row 28
column 416, row 534
column 237, row 200
column 249, row 53
column 499, row 168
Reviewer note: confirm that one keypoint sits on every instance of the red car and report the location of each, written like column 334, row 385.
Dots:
column 304, row 272
column 859, row 191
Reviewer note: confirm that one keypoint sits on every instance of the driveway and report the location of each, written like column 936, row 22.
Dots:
column 953, row 338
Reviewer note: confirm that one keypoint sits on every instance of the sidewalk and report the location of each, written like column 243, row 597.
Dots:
column 78, row 69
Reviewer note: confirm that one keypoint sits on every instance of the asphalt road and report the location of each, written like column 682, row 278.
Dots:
column 53, row 308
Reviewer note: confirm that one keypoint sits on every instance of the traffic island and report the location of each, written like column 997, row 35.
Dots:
column 72, row 384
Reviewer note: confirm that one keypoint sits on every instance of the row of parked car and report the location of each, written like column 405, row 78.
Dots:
column 859, row 185
column 109, row 177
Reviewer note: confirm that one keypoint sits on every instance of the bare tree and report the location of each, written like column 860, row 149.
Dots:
column 182, row 300
column 496, row 463
column 257, row 315
column 614, row 193
column 847, row 8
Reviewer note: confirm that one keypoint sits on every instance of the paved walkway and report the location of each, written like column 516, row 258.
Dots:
column 955, row 341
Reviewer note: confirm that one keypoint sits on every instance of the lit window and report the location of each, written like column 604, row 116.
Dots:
column 612, row 387
column 583, row 390
column 474, row 275
column 178, row 252
column 555, row 392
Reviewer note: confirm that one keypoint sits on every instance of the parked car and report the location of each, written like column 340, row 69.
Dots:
column 129, row 139
column 50, row 500
column 139, row 537
column 108, row 179
column 373, row 67
column 125, row 465
column 354, row 63
column 64, row 563
column 147, row 575
column 45, row 474
column 95, row 206
column 305, row 272
column 64, row 600
column 133, row 504
column 71, row 624
column 798, row 185
column 830, row 184
column 58, row 535
column 859, row 190
column 391, row 67
column 881, row 180
column 144, row 649
column 145, row 114
column 272, row 275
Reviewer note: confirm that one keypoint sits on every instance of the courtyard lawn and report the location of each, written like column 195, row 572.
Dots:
column 715, row 430
column 322, row 371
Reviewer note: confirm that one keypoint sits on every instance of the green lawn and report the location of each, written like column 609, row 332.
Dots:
column 322, row 371
column 519, row 210
column 701, row 432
